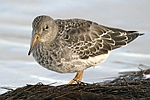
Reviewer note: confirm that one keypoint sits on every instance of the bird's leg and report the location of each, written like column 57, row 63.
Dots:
column 78, row 77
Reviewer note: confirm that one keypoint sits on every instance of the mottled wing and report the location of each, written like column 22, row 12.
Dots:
column 121, row 37
column 88, row 39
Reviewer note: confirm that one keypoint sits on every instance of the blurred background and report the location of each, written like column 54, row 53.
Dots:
column 17, row 69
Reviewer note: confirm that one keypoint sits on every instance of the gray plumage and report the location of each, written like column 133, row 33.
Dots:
column 75, row 44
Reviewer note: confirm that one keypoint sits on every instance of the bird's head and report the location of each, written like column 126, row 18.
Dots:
column 44, row 30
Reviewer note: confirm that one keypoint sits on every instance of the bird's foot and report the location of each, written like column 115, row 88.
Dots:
column 77, row 78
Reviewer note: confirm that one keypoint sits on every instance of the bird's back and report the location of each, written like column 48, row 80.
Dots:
column 89, row 39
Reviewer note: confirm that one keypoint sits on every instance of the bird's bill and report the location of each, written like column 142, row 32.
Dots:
column 33, row 43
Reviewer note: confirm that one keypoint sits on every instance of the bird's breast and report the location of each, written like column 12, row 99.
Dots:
column 63, row 60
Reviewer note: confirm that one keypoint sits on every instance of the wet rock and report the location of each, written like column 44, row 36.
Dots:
column 118, row 89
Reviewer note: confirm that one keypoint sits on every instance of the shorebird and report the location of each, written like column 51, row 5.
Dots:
column 73, row 45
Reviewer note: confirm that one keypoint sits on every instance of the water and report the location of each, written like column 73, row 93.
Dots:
column 17, row 69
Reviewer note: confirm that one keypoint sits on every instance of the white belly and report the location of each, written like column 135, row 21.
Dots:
column 77, row 65
column 95, row 60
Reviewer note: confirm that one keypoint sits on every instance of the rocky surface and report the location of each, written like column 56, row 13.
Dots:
column 131, row 86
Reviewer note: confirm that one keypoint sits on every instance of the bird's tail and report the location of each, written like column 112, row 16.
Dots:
column 125, row 38
column 132, row 35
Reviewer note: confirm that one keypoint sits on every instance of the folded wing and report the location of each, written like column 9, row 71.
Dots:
column 89, row 39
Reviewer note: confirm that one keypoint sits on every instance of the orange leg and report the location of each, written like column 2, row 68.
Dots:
column 78, row 77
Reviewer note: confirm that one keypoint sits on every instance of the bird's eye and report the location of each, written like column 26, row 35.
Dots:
column 46, row 27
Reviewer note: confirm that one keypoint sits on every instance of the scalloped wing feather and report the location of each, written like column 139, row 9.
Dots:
column 88, row 39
